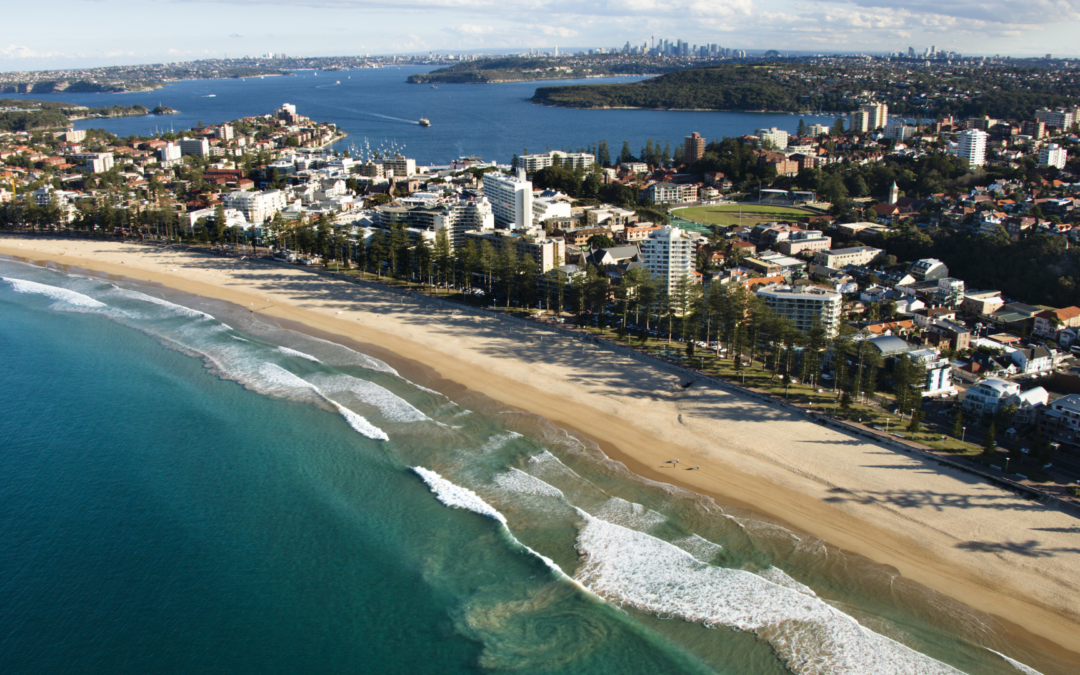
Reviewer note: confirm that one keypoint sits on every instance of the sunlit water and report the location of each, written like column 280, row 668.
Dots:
column 188, row 489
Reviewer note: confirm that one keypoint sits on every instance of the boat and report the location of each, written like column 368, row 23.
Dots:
column 338, row 82
column 424, row 122
column 434, row 87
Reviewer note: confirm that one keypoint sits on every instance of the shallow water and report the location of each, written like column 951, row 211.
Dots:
column 190, row 489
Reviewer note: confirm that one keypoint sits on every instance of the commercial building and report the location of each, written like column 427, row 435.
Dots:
column 693, row 147
column 841, row 257
column 971, row 145
column 668, row 255
column 510, row 198
column 986, row 398
column 802, row 304
column 1053, row 155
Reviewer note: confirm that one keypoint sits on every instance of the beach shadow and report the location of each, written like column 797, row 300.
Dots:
column 925, row 499
column 1029, row 548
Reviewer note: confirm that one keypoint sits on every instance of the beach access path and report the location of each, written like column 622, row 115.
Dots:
column 982, row 545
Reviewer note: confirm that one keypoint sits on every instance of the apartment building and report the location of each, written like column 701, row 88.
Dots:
column 802, row 304
column 668, row 255
column 257, row 207
column 1060, row 420
column 570, row 160
column 986, row 398
column 1053, row 155
column 971, row 145
column 693, row 147
column 199, row 147
column 547, row 253
column 510, row 198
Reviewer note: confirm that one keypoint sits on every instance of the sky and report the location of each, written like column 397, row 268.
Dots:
column 117, row 32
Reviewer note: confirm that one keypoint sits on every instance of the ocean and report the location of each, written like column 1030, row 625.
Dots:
column 189, row 487
column 379, row 109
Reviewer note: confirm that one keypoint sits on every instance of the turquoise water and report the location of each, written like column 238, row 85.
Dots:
column 188, row 489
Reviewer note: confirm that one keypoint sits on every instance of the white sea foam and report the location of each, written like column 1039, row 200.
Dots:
column 702, row 549
column 781, row 578
column 177, row 309
column 298, row 354
column 518, row 481
column 361, row 425
column 1026, row 670
column 458, row 497
column 392, row 406
column 632, row 568
column 284, row 383
column 62, row 296
column 498, row 440
column 455, row 496
column 628, row 514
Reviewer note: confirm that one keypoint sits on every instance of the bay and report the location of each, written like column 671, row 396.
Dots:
column 492, row 121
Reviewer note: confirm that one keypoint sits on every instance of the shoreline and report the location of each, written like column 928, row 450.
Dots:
column 631, row 420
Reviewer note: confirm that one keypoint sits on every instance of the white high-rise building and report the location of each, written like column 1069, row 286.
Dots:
column 1053, row 155
column 257, row 207
column 668, row 255
column 877, row 115
column 777, row 137
column 510, row 198
column 972, row 146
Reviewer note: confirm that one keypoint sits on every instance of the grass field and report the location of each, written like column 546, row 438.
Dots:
column 741, row 214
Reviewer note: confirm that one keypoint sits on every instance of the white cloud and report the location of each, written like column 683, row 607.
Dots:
column 24, row 52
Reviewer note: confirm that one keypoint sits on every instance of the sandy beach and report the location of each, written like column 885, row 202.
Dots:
column 981, row 545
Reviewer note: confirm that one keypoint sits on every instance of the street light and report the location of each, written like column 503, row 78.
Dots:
column 1007, row 464
column 963, row 434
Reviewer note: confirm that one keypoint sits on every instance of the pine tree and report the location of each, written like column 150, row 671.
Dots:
column 442, row 254
column 958, row 424
column 989, row 443
column 626, row 156
column 603, row 155
column 801, row 131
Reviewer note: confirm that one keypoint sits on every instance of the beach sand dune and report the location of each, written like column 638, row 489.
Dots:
column 976, row 543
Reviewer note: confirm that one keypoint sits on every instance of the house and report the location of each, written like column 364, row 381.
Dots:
column 987, row 398
column 1033, row 359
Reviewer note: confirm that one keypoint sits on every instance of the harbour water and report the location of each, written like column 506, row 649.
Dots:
column 493, row 121
column 189, row 488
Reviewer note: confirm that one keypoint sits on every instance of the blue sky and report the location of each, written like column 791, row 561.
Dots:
column 108, row 32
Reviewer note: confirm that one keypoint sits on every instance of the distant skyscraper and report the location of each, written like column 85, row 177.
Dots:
column 694, row 147
column 972, row 146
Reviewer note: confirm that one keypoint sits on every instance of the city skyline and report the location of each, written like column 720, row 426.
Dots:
column 193, row 30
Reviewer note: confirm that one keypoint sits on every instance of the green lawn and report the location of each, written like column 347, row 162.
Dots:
column 741, row 214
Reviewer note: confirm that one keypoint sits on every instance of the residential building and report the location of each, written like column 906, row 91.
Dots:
column 668, row 255
column 1050, row 322
column 1032, row 360
column 510, row 198
column 225, row 132
column 693, row 147
column 1053, row 155
column 1028, row 406
column 570, row 160
column 841, row 257
column 928, row 269
column 986, row 398
column 670, row 193
column 803, row 304
column 547, row 253
column 877, row 115
column 169, row 154
column 95, row 162
column 1060, row 119
column 898, row 131
column 400, row 167
column 816, row 130
column 1060, row 420
column 971, row 145
column 199, row 147
column 777, row 138
column 938, row 372
column 982, row 303
column 257, row 207
column 957, row 337
column 859, row 121
column 456, row 217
